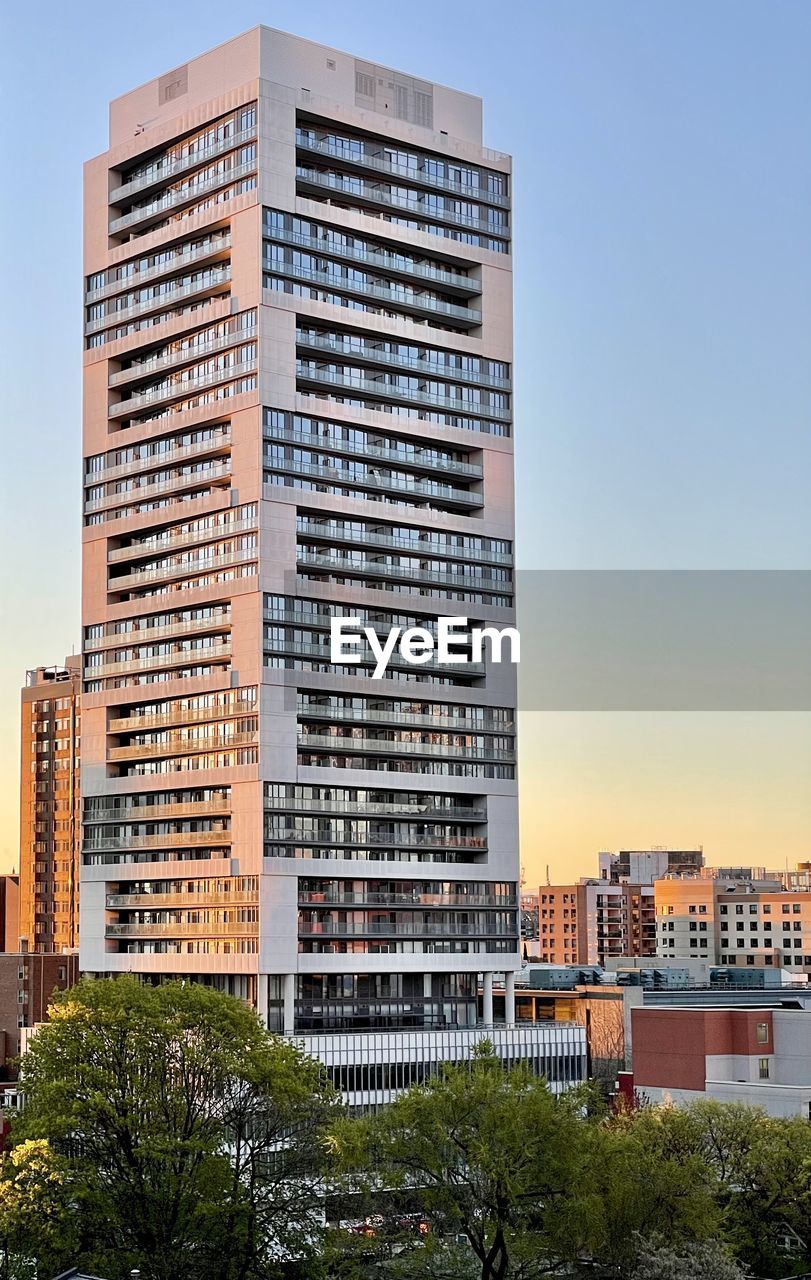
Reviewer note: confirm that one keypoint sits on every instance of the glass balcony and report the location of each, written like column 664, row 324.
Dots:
column 361, row 192
column 145, row 635
column 180, row 388
column 376, row 258
column 180, row 658
column 421, row 548
column 415, row 899
column 184, row 901
column 387, row 809
column 180, row 259
column 157, row 302
column 383, row 928
column 361, row 715
column 368, row 353
column 210, row 929
column 168, row 840
column 321, row 652
column 182, row 715
column 156, row 546
column 387, row 747
column 145, row 492
column 400, row 299
column 179, row 197
column 160, row 460
column 292, row 835
column 157, row 812
column 181, row 165
column 419, row 176
column 429, row 490
column 181, row 355
column 418, row 458
column 380, row 390
column 180, row 746
column 373, row 568
column 186, row 569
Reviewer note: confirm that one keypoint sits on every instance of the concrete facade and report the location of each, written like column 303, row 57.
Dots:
column 297, row 404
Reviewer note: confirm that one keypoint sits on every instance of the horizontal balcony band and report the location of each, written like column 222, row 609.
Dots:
column 180, row 197
column 169, row 840
column 438, row 900
column 144, row 635
column 374, row 929
column 214, row 281
column 181, row 165
column 379, row 164
column 422, row 547
column 183, row 746
column 180, row 259
column 384, row 747
column 364, row 716
column 378, row 260
column 158, row 461
column 372, row 568
column 322, row 652
column 367, row 353
column 292, row 835
column 208, row 533
column 183, row 901
column 187, row 715
column 385, row 809
column 182, row 355
column 430, row 490
column 369, row 194
column 157, row 812
column 465, row 317
column 388, row 391
column 178, row 390
column 418, row 459
column 212, row 930
column 180, row 658
column 191, row 569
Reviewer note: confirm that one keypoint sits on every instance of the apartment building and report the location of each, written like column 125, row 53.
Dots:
column 737, row 921
column 50, row 809
column 10, row 911
column 610, row 917
column 28, row 981
column 298, row 406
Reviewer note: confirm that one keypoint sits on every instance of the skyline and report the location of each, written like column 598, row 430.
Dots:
column 579, row 272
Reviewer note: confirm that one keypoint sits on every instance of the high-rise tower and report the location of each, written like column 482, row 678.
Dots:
column 298, row 405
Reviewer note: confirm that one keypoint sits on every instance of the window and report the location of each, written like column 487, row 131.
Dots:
column 763, row 1068
column 762, row 1033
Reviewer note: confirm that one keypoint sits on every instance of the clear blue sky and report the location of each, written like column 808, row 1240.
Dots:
column 663, row 299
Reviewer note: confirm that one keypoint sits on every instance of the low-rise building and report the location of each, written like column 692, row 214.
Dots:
column 759, row 1056
column 28, row 980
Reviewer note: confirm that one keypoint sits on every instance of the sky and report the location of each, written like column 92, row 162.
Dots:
column 663, row 317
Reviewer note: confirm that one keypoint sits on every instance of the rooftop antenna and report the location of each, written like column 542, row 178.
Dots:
column 548, row 881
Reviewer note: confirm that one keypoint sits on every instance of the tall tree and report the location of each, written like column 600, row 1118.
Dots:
column 183, row 1127
column 488, row 1155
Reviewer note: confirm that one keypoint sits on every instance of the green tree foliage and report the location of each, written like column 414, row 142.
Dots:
column 494, row 1156
column 188, row 1140
column 708, row 1260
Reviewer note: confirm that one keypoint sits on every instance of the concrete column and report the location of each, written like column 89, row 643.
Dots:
column 289, row 992
column 262, row 997
column 487, row 1010
column 509, row 999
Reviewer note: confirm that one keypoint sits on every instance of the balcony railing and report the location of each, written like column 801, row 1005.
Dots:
column 181, row 387
column 182, row 164
column 179, row 197
column 418, row 458
column 417, row 899
column 377, row 259
column 144, row 635
column 188, row 569
column 180, row 746
column 309, row 649
column 187, row 901
column 156, row 546
column 159, row 301
column 170, row 839
column 155, row 461
column 156, row 812
column 385, row 809
column 178, row 658
column 381, row 164
column 382, row 928
column 423, row 547
column 363, row 192
column 367, row 353
column 401, row 299
column 143, row 492
column 371, row 479
column 187, row 715
column 180, row 259
column 210, row 929
column 390, row 391
column 372, row 568
column 293, row 835
column 388, row 747
column 181, row 355
column 361, row 715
